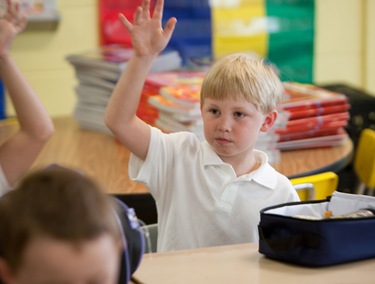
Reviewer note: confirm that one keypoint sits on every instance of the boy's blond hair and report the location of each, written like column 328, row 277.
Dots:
column 241, row 76
column 56, row 203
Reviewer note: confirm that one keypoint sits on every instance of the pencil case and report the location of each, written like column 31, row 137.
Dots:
column 300, row 233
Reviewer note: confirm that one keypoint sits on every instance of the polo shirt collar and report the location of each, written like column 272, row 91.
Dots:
column 264, row 175
column 209, row 155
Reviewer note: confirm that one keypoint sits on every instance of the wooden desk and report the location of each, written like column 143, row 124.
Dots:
column 243, row 264
column 98, row 155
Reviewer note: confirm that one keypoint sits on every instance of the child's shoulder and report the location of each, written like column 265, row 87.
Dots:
column 183, row 140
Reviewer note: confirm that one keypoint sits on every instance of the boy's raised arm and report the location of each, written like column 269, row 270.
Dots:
column 148, row 40
column 19, row 152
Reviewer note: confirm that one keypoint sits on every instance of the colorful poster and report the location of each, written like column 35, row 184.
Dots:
column 291, row 45
column 281, row 31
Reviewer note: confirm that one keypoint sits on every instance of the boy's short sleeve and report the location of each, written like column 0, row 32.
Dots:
column 151, row 171
column 166, row 154
column 4, row 184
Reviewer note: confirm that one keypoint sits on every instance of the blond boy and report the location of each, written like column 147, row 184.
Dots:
column 207, row 193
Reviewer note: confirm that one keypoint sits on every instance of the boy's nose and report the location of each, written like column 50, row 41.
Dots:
column 225, row 124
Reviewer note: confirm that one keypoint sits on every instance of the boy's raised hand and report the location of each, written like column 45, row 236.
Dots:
column 148, row 36
column 12, row 22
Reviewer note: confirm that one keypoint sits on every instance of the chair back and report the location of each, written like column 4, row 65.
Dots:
column 151, row 233
column 316, row 187
column 364, row 160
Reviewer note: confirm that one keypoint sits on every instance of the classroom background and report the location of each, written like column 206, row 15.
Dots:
column 344, row 48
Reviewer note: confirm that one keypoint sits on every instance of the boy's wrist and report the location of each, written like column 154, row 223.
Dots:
column 5, row 59
column 149, row 57
column 4, row 54
column 144, row 59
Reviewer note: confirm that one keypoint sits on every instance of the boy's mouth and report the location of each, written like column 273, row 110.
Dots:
column 222, row 140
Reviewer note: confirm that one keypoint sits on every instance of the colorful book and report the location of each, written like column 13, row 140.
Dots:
column 323, row 139
column 308, row 133
column 184, row 95
column 164, row 104
column 306, row 95
column 303, row 112
column 174, row 78
column 310, row 128
column 180, row 88
column 317, row 121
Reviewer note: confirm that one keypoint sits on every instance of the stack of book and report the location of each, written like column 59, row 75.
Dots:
column 98, row 71
column 317, row 117
column 176, row 96
column 268, row 141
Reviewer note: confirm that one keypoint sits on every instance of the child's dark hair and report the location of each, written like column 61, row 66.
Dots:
column 57, row 203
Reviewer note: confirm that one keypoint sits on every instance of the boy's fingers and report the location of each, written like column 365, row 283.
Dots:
column 146, row 8
column 16, row 7
column 22, row 23
column 158, row 11
column 125, row 22
column 13, row 9
column 138, row 15
column 169, row 27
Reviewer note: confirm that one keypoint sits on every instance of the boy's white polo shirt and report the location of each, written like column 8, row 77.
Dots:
column 200, row 200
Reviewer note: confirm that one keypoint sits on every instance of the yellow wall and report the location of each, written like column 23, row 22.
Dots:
column 369, row 58
column 338, row 41
column 345, row 43
column 40, row 54
column 344, row 51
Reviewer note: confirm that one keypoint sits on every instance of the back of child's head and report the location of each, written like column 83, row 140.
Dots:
column 242, row 77
column 55, row 203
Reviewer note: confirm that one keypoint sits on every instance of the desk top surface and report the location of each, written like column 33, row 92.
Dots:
column 243, row 264
column 100, row 156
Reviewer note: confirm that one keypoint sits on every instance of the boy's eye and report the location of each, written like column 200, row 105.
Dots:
column 214, row 111
column 239, row 114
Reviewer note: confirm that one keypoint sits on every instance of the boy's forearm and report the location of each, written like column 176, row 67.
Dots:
column 148, row 40
column 122, row 107
column 19, row 152
column 32, row 115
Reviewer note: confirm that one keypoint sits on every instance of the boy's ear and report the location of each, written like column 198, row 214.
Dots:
column 269, row 121
column 6, row 274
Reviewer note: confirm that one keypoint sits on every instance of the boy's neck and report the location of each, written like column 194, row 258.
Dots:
column 243, row 166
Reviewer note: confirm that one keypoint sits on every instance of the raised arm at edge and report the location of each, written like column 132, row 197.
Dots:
column 19, row 152
column 120, row 115
column 148, row 40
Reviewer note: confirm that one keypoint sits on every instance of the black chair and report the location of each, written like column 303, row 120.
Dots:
column 143, row 204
